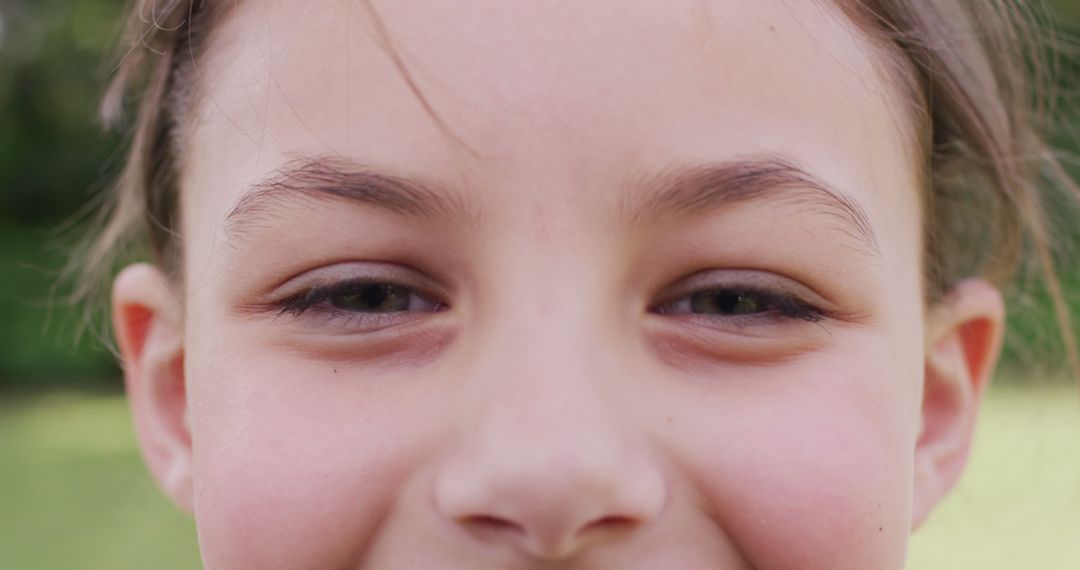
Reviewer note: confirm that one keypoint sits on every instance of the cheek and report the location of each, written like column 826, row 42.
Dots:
column 807, row 464
column 292, row 467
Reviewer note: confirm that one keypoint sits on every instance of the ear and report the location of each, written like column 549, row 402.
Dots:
column 963, row 341
column 148, row 323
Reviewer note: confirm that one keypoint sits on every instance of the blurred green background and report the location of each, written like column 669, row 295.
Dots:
column 73, row 491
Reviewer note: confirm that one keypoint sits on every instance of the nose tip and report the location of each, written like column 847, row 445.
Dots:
column 551, row 515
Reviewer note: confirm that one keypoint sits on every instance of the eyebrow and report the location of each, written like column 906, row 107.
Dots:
column 688, row 191
column 681, row 192
column 337, row 179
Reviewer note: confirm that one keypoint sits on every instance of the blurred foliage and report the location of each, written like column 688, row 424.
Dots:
column 53, row 158
column 54, row 64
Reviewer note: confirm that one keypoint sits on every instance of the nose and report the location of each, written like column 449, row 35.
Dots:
column 549, row 473
column 550, row 504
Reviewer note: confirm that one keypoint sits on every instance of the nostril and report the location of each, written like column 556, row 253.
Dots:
column 535, row 541
column 491, row 526
column 613, row 522
column 608, row 525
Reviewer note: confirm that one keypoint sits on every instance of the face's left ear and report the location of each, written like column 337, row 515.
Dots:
column 148, row 322
column 963, row 341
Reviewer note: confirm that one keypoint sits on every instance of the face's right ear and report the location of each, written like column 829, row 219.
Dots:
column 148, row 323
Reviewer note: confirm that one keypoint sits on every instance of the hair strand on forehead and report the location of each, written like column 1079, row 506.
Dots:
column 388, row 46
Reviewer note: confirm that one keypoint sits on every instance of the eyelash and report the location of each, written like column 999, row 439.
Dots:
column 771, row 306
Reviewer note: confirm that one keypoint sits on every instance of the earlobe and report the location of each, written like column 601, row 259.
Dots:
column 148, row 324
column 963, row 341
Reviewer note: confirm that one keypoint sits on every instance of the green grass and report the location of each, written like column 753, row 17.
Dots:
column 74, row 492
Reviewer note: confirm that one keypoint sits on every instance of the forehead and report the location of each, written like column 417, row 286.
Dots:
column 559, row 94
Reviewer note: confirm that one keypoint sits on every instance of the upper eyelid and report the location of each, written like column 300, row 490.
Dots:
column 342, row 274
column 756, row 281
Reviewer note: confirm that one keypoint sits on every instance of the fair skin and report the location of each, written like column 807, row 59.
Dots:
column 567, row 375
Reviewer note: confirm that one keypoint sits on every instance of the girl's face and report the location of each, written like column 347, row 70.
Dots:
column 617, row 285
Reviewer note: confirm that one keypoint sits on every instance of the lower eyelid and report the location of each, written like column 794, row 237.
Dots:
column 708, row 344
column 739, row 322
column 413, row 342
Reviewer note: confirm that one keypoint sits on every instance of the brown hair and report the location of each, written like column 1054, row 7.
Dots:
column 978, row 75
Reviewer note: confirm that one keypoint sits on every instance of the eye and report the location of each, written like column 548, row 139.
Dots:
column 741, row 305
column 360, row 299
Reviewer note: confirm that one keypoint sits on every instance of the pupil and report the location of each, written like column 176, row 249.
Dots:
column 374, row 298
column 727, row 302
